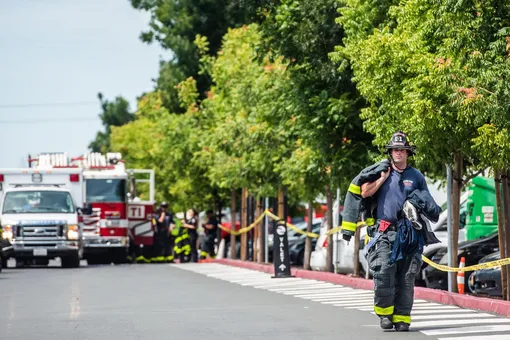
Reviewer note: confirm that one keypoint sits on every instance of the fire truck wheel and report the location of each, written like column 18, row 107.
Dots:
column 72, row 261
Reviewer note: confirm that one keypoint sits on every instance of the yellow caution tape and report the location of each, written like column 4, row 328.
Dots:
column 486, row 265
column 245, row 229
column 276, row 218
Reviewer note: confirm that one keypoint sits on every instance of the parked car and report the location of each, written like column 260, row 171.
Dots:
column 343, row 252
column 473, row 251
column 486, row 281
column 297, row 247
column 293, row 236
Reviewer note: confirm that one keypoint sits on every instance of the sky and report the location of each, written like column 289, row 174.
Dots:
column 56, row 56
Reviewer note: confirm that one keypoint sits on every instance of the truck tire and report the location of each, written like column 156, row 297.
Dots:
column 4, row 262
column 72, row 261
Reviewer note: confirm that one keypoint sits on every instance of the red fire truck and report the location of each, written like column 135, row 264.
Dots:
column 120, row 223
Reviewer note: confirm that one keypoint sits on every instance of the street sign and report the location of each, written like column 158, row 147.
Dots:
column 281, row 258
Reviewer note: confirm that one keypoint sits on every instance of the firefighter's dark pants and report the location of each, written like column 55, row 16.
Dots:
column 208, row 245
column 193, row 242
column 393, row 285
column 163, row 246
column 169, row 250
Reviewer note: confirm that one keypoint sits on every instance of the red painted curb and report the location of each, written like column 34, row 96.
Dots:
column 440, row 296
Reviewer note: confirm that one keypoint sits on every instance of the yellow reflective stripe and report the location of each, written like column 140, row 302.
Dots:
column 158, row 259
column 370, row 221
column 384, row 310
column 351, row 226
column 402, row 318
column 355, row 189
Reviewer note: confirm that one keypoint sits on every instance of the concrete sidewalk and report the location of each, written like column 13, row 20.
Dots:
column 466, row 301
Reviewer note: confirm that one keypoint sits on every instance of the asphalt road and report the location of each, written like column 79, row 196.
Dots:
column 160, row 301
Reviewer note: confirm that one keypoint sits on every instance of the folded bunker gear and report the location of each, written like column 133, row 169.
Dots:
column 356, row 206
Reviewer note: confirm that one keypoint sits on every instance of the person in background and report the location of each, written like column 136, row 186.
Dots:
column 182, row 246
column 191, row 224
column 211, row 230
column 163, row 247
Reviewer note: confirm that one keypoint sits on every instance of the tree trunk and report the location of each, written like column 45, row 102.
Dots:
column 308, row 241
column 506, row 241
column 249, row 234
column 329, row 250
column 456, row 187
column 281, row 203
column 244, row 216
column 233, row 248
column 217, row 207
column 501, row 230
column 258, row 232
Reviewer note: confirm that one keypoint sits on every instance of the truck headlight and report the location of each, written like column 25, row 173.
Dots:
column 73, row 232
column 7, row 232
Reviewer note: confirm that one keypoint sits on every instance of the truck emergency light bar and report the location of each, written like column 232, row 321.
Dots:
column 92, row 161
column 72, row 177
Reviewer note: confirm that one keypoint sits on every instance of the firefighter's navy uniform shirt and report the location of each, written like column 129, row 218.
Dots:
column 163, row 226
column 192, row 221
column 214, row 222
column 392, row 194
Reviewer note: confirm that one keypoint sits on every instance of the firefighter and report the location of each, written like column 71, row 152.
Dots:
column 182, row 246
column 211, row 230
column 163, row 251
column 383, row 195
column 191, row 224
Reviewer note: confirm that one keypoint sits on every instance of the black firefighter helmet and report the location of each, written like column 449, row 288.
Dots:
column 399, row 140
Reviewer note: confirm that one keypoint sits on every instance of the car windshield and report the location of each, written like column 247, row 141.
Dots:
column 105, row 190
column 31, row 202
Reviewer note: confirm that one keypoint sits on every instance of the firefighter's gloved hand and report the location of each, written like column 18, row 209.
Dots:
column 346, row 237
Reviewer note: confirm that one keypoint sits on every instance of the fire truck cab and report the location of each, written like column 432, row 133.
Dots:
column 117, row 222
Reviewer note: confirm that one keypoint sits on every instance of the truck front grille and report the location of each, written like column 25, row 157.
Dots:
column 39, row 232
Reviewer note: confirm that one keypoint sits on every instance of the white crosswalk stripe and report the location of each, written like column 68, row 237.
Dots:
column 481, row 337
column 442, row 322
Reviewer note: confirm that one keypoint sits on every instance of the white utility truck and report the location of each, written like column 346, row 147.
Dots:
column 40, row 215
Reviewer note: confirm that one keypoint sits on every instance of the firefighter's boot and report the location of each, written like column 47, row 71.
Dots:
column 401, row 327
column 386, row 323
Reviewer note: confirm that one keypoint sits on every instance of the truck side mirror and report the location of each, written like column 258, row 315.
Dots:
column 87, row 210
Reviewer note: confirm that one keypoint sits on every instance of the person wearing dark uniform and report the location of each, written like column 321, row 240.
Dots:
column 191, row 224
column 163, row 246
column 394, row 275
column 211, row 230
column 182, row 247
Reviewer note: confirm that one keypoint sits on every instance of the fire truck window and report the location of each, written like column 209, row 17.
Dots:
column 105, row 190
column 26, row 202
